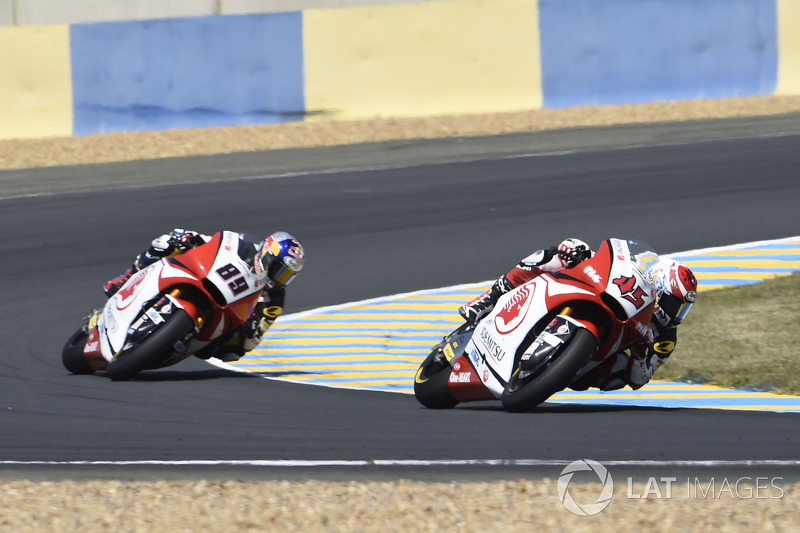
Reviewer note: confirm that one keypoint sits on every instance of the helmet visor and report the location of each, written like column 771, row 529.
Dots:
column 682, row 311
column 675, row 307
column 280, row 274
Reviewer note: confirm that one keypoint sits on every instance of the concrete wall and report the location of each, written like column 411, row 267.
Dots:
column 424, row 58
column 618, row 51
column 35, row 82
column 187, row 72
column 40, row 12
column 789, row 47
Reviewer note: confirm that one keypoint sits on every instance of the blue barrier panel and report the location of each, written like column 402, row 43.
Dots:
column 189, row 72
column 632, row 51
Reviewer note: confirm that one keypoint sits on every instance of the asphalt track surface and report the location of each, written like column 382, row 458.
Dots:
column 375, row 220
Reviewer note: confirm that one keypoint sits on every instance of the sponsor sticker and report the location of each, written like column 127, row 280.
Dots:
column 476, row 357
column 154, row 316
column 592, row 273
column 448, row 352
column 495, row 350
column 460, row 377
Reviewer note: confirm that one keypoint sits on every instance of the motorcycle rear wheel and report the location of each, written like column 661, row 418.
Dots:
column 430, row 383
column 522, row 395
column 72, row 356
column 153, row 349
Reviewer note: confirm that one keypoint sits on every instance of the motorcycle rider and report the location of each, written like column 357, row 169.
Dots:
column 676, row 289
column 280, row 255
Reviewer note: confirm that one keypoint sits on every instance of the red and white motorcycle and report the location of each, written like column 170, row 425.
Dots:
column 545, row 334
column 168, row 311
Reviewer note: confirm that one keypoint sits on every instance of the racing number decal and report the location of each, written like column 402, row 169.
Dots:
column 237, row 285
column 630, row 290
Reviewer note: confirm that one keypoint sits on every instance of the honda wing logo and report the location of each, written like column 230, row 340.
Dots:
column 514, row 310
column 127, row 294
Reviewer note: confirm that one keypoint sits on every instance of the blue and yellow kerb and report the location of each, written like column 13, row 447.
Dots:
column 378, row 344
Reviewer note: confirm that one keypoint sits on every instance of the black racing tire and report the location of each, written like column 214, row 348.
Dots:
column 430, row 383
column 153, row 349
column 520, row 396
column 72, row 354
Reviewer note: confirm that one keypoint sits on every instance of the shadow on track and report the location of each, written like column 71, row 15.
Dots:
column 569, row 408
column 151, row 376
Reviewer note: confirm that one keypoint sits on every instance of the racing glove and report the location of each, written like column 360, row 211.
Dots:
column 167, row 245
column 249, row 335
column 183, row 240
column 573, row 251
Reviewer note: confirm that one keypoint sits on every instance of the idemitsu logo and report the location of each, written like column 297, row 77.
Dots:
column 514, row 310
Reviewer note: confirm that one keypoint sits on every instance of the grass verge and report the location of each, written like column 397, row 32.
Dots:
column 742, row 337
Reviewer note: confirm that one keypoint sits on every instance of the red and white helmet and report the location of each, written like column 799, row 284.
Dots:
column 676, row 290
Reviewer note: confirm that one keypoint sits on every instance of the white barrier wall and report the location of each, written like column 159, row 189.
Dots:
column 398, row 60
column 43, row 12
column 6, row 12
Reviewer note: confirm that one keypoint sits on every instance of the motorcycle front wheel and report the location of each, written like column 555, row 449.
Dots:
column 430, row 383
column 523, row 394
column 72, row 356
column 153, row 348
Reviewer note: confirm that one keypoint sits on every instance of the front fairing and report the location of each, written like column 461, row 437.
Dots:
column 226, row 266
column 632, row 286
column 122, row 309
column 492, row 349
column 230, row 275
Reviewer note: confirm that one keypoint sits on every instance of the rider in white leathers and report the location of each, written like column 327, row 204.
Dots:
column 676, row 292
column 280, row 255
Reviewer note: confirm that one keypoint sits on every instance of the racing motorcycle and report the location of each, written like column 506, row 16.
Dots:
column 168, row 311
column 547, row 333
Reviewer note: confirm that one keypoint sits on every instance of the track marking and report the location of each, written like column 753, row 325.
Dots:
column 411, row 462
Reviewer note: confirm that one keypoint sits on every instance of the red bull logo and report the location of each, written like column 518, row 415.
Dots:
column 514, row 310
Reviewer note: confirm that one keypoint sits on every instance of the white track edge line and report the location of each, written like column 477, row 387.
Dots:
column 288, row 463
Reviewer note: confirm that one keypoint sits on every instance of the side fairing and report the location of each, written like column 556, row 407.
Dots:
column 231, row 275
column 632, row 278
column 122, row 309
column 632, row 285
column 497, row 337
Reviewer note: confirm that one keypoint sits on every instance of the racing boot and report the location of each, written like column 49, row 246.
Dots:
column 483, row 304
column 111, row 286
column 160, row 247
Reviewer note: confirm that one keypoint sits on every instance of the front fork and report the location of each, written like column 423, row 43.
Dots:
column 200, row 316
column 551, row 341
